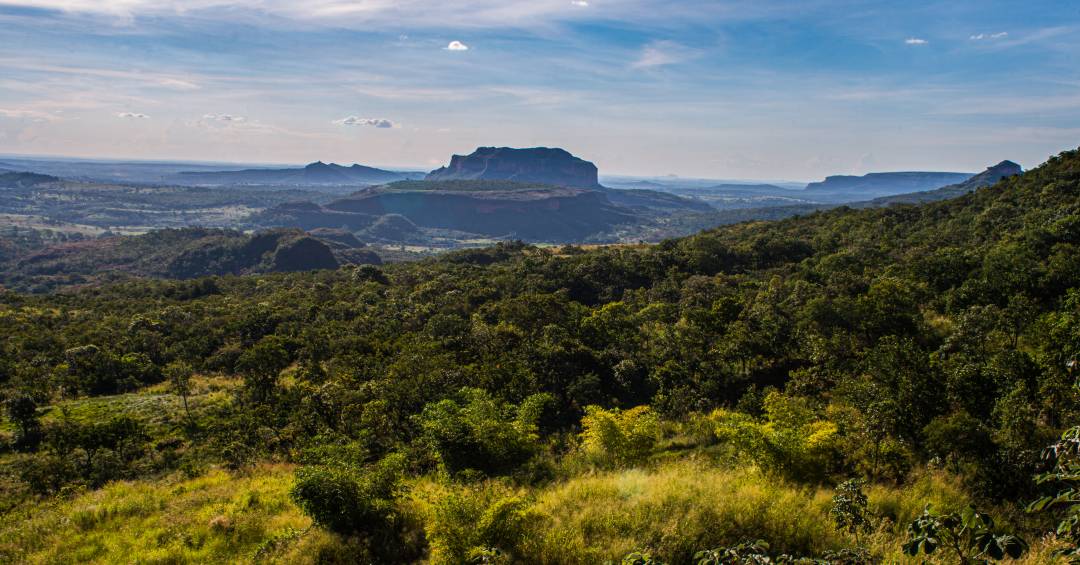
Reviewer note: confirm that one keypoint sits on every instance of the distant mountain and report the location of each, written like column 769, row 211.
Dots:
column 545, row 165
column 402, row 211
column 845, row 188
column 988, row 177
column 317, row 173
column 23, row 180
column 530, row 212
column 655, row 200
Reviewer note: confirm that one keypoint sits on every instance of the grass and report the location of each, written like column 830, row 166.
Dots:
column 155, row 406
column 218, row 517
column 671, row 510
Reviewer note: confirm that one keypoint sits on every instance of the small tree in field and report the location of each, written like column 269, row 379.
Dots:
column 179, row 374
column 851, row 509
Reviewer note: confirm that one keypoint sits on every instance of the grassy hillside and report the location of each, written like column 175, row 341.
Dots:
column 514, row 404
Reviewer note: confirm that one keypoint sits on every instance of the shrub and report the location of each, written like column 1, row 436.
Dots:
column 476, row 431
column 619, row 438
column 479, row 523
column 791, row 441
column 969, row 535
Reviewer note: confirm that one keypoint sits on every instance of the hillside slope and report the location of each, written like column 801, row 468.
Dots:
column 172, row 253
column 569, row 404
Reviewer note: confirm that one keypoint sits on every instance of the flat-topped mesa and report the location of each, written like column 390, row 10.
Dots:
column 538, row 164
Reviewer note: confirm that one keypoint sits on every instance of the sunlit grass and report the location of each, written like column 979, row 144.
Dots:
column 218, row 517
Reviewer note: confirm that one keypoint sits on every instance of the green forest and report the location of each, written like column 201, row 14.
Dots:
column 893, row 385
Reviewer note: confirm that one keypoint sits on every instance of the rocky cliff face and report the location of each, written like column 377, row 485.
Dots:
column 538, row 164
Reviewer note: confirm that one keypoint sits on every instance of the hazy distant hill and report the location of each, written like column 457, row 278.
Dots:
column 988, row 177
column 504, row 209
column 177, row 254
column 498, row 209
column 537, row 164
column 854, row 188
column 317, row 173
column 23, row 180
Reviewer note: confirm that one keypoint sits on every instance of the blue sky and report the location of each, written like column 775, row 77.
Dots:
column 724, row 89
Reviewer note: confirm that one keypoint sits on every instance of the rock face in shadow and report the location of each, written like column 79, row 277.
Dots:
column 544, row 165
column 532, row 213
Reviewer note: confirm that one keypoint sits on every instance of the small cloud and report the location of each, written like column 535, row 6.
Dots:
column 132, row 116
column 915, row 41
column 991, row 36
column 378, row 123
column 178, row 84
column 660, row 53
column 582, row 3
column 224, row 118
column 403, row 37
column 456, row 46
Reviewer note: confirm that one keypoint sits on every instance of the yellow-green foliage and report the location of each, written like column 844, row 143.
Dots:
column 791, row 440
column 464, row 522
column 617, row 437
column 218, row 517
column 671, row 511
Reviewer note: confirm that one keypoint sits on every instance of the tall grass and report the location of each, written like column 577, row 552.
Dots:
column 671, row 509
column 218, row 517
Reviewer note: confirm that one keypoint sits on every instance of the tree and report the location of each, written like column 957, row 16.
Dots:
column 261, row 364
column 851, row 509
column 179, row 374
column 22, row 411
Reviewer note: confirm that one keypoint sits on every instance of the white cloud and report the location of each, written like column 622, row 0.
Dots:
column 982, row 36
column 132, row 116
column 456, row 46
column 915, row 41
column 582, row 3
column 660, row 53
column 378, row 123
column 224, row 118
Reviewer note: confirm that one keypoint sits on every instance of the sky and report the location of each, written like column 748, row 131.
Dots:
column 734, row 89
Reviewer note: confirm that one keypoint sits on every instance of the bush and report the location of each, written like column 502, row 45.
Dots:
column 475, row 524
column 476, row 431
column 354, row 503
column 791, row 441
column 618, row 438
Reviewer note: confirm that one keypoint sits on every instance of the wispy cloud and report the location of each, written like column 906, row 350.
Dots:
column 132, row 116
column 379, row 123
column 456, row 46
column 915, row 41
column 661, row 53
column 26, row 114
column 224, row 118
column 984, row 36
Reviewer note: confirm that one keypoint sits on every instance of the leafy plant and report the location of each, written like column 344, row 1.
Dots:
column 619, row 437
column 851, row 509
column 969, row 535
column 1065, row 454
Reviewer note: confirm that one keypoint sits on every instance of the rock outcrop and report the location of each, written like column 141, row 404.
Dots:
column 545, row 165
